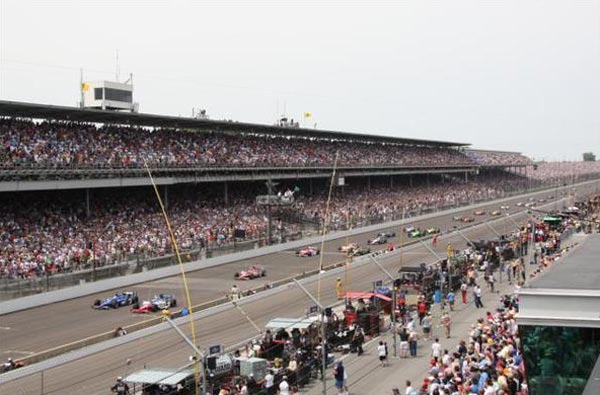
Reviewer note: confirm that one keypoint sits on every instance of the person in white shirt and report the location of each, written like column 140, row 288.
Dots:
column 446, row 358
column 284, row 387
column 235, row 292
column 436, row 349
column 381, row 352
column 409, row 388
column 269, row 381
column 293, row 365
column 489, row 388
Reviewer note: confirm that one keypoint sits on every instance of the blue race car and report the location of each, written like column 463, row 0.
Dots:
column 117, row 300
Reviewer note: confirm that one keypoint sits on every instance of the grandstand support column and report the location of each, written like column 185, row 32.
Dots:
column 226, row 193
column 410, row 180
column 270, row 188
column 391, row 181
column 368, row 183
column 466, row 176
column 87, row 202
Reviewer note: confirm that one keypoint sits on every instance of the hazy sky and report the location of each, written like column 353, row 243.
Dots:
column 510, row 75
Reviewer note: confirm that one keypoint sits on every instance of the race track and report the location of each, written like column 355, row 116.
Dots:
column 45, row 327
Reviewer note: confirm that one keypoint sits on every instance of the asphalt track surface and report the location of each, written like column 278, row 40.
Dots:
column 45, row 327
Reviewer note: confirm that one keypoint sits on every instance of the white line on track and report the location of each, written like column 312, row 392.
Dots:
column 5, row 328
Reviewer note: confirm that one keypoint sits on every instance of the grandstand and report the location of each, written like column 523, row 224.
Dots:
column 64, row 144
column 75, row 193
column 497, row 158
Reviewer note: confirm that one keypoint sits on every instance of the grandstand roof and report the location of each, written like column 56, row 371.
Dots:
column 64, row 113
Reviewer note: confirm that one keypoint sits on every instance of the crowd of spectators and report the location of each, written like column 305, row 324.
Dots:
column 75, row 145
column 39, row 236
column 564, row 171
column 490, row 360
column 359, row 206
column 42, row 234
column 497, row 158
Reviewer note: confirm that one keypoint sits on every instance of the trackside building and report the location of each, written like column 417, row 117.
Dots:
column 559, row 325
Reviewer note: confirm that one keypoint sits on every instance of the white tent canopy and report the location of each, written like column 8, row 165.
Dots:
column 291, row 323
column 159, row 376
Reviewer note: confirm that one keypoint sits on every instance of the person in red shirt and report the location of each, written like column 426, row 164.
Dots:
column 421, row 310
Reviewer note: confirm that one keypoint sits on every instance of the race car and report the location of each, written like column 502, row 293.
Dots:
column 10, row 365
column 478, row 212
column 409, row 229
column 386, row 234
column 468, row 219
column 117, row 300
column 251, row 273
column 163, row 301
column 348, row 248
column 378, row 240
column 496, row 213
column 158, row 302
column 542, row 200
column 308, row 251
column 433, row 231
column 520, row 204
column 504, row 207
column 416, row 233
column 457, row 218
column 145, row 308
column 358, row 251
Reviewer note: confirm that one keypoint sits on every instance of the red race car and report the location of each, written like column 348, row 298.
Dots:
column 145, row 308
column 251, row 273
column 308, row 251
